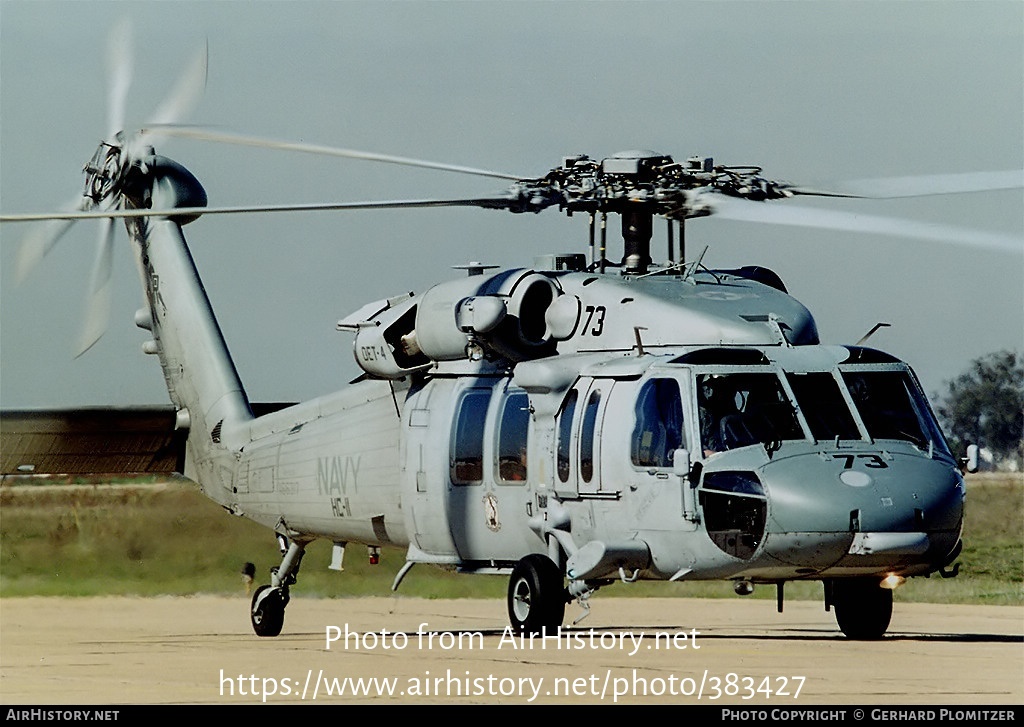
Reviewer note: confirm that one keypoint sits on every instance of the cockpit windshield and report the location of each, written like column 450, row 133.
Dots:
column 892, row 408
column 737, row 410
column 823, row 406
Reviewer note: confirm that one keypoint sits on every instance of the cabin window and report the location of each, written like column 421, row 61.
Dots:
column 823, row 406
column 659, row 423
column 737, row 410
column 588, row 435
column 512, row 433
column 565, row 435
column 893, row 408
column 467, row 448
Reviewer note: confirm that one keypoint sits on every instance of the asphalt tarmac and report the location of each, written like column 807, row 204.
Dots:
column 731, row 652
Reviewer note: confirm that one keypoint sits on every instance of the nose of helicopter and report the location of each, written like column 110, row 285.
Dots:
column 862, row 512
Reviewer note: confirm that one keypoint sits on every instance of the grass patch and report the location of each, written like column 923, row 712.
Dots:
column 166, row 538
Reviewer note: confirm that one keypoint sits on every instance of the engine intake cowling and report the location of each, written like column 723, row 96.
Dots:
column 502, row 314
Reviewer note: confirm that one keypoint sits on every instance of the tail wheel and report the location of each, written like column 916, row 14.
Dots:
column 863, row 607
column 536, row 595
column 268, row 610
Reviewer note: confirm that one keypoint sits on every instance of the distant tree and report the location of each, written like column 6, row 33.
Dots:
column 985, row 406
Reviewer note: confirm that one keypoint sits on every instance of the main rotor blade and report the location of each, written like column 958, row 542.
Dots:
column 97, row 305
column 496, row 202
column 119, row 68
column 195, row 132
column 41, row 239
column 797, row 216
column 921, row 185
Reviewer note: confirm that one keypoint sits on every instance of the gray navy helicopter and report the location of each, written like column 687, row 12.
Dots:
column 571, row 424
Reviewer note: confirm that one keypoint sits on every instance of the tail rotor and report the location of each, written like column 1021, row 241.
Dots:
column 97, row 310
column 107, row 172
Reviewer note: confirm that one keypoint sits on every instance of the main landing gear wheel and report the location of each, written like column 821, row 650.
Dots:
column 863, row 607
column 536, row 595
column 268, row 610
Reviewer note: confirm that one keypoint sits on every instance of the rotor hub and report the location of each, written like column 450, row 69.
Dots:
column 103, row 173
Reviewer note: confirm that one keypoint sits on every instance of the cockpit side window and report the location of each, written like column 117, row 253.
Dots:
column 892, row 408
column 737, row 410
column 823, row 406
column 588, row 433
column 659, row 423
column 565, row 435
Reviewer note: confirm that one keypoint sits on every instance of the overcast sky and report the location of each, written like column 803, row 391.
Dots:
column 811, row 91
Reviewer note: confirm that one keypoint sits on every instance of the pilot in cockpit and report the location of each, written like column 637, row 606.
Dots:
column 715, row 401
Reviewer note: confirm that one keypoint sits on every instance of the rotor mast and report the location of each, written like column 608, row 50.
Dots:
column 633, row 174
column 636, row 241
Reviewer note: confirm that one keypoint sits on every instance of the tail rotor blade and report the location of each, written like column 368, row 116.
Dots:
column 41, row 239
column 119, row 68
column 186, row 93
column 100, row 288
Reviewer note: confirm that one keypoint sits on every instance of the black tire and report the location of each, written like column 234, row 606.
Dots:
column 863, row 607
column 267, row 611
column 536, row 595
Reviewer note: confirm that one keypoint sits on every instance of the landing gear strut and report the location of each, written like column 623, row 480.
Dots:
column 267, row 611
column 863, row 607
column 536, row 595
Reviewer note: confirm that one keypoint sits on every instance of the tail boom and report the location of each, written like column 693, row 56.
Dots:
column 201, row 378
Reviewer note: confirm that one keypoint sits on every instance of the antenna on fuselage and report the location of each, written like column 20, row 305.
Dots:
column 639, row 341
column 696, row 264
column 870, row 333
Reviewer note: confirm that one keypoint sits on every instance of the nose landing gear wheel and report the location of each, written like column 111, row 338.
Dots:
column 268, row 610
column 863, row 607
column 536, row 595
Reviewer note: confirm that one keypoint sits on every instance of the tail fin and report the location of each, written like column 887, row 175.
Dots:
column 200, row 375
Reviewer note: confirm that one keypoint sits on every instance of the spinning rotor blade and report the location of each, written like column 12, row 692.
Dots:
column 918, row 186
column 186, row 93
column 102, row 196
column 177, row 105
column 97, row 305
column 119, row 69
column 796, row 216
column 195, row 132
column 40, row 240
column 496, row 202
column 926, row 185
